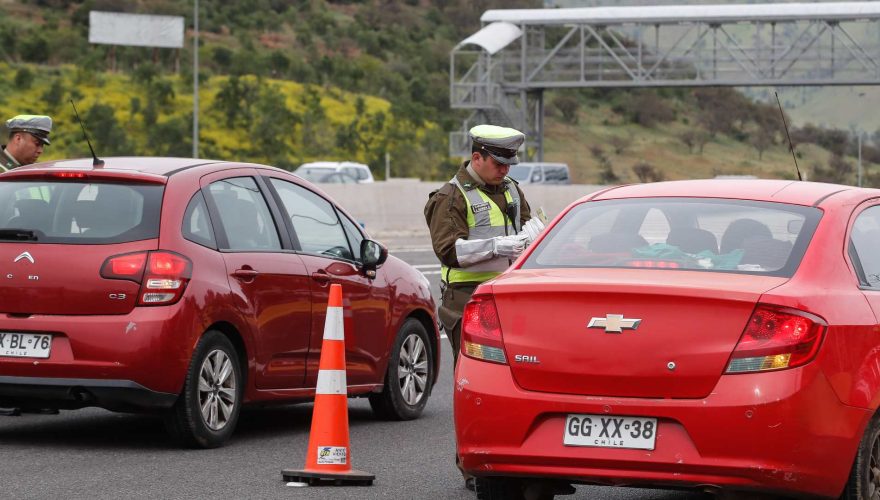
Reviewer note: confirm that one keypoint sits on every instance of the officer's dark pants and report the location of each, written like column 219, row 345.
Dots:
column 452, row 303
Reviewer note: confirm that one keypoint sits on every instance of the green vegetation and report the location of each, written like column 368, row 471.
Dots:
column 288, row 81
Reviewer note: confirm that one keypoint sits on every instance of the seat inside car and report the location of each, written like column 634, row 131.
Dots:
column 692, row 240
column 31, row 214
column 616, row 242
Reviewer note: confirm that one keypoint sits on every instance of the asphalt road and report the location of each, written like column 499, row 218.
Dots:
column 97, row 454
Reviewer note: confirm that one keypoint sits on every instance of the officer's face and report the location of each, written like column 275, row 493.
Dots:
column 491, row 171
column 27, row 148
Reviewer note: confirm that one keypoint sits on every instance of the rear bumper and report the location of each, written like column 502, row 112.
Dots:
column 781, row 432
column 72, row 393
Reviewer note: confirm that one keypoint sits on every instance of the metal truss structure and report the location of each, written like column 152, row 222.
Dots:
column 500, row 73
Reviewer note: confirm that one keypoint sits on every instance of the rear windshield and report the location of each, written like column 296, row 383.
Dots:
column 675, row 233
column 314, row 174
column 519, row 173
column 79, row 212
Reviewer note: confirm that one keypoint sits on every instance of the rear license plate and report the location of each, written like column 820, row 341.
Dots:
column 609, row 431
column 25, row 345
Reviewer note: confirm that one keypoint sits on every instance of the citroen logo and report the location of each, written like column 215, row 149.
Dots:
column 24, row 255
column 614, row 323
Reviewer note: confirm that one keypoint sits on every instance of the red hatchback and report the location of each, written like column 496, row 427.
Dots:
column 718, row 335
column 190, row 288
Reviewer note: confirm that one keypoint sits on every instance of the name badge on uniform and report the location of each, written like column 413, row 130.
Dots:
column 482, row 207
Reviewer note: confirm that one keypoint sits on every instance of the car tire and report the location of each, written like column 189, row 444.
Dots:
column 205, row 415
column 864, row 479
column 410, row 375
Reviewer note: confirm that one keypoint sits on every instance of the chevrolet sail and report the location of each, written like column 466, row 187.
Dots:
column 189, row 288
column 717, row 335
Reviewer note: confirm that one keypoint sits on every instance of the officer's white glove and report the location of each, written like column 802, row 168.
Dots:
column 532, row 229
column 509, row 246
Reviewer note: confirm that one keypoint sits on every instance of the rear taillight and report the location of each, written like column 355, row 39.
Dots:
column 163, row 275
column 481, row 330
column 777, row 338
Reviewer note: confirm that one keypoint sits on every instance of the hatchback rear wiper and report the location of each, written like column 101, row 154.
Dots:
column 18, row 235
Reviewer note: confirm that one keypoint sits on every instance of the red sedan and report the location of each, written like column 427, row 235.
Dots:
column 189, row 288
column 717, row 335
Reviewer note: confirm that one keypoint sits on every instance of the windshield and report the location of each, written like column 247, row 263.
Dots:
column 676, row 233
column 519, row 173
column 79, row 212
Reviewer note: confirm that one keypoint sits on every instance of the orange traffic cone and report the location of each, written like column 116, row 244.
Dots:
column 328, row 458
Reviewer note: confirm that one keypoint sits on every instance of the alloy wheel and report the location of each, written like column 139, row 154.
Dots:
column 412, row 369
column 217, row 389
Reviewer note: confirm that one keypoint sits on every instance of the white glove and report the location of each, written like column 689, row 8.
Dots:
column 509, row 246
column 532, row 229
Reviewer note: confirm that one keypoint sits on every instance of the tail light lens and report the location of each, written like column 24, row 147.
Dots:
column 777, row 338
column 481, row 336
column 163, row 275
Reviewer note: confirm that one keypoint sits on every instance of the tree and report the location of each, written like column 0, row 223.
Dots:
column 647, row 172
column 760, row 140
column 838, row 171
column 272, row 127
column 109, row 139
column 567, row 105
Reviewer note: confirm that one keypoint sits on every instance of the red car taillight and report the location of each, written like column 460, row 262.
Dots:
column 777, row 338
column 163, row 275
column 481, row 330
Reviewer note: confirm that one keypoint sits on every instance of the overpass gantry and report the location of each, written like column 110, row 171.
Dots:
column 500, row 73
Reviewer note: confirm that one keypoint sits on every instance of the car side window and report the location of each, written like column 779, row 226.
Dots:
column 314, row 221
column 865, row 242
column 555, row 175
column 244, row 215
column 354, row 235
column 197, row 224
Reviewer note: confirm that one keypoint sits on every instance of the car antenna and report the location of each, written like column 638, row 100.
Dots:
column 96, row 162
column 788, row 136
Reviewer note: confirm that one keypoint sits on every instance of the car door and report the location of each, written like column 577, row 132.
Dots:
column 271, row 281
column 330, row 248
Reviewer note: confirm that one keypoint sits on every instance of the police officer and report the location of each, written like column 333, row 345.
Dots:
column 28, row 134
column 479, row 222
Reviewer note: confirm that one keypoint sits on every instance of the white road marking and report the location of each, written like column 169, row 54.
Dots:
column 431, row 272
column 410, row 250
column 426, row 266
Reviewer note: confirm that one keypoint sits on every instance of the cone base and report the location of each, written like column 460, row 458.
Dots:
column 318, row 478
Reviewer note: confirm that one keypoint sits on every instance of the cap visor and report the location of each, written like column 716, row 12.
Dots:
column 507, row 161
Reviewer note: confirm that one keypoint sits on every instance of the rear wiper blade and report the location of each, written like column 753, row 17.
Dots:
column 18, row 235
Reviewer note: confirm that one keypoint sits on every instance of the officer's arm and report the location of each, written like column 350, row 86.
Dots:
column 525, row 212
column 447, row 222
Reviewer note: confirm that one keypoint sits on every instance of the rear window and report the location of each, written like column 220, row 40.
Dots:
column 675, row 233
column 80, row 212
column 314, row 174
column 519, row 173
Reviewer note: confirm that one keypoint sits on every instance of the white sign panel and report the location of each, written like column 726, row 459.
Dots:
column 116, row 28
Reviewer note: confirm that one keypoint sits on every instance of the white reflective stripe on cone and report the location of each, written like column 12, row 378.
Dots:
column 333, row 324
column 331, row 382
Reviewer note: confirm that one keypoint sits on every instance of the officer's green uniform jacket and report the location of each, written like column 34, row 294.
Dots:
column 446, row 214
column 7, row 162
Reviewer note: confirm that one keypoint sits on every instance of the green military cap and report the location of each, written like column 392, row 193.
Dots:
column 501, row 143
column 38, row 126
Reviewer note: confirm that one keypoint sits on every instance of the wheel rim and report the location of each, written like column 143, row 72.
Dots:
column 412, row 369
column 874, row 470
column 217, row 390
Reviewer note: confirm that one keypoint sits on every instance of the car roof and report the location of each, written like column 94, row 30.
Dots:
column 332, row 164
column 149, row 165
column 781, row 191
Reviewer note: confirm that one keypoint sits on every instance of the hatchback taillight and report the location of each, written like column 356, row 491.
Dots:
column 163, row 275
column 481, row 336
column 777, row 338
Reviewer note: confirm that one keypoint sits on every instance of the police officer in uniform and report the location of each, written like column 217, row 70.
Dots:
column 28, row 134
column 480, row 222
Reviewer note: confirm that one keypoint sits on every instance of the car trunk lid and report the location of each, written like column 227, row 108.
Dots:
column 689, row 324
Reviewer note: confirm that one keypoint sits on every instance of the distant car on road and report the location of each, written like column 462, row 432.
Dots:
column 315, row 171
column 189, row 288
column 540, row 173
column 716, row 335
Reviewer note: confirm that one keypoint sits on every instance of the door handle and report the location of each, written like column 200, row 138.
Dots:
column 321, row 277
column 245, row 274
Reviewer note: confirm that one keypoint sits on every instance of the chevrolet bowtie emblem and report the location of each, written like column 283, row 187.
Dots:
column 24, row 255
column 614, row 323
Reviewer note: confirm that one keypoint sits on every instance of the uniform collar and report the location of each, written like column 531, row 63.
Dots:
column 7, row 160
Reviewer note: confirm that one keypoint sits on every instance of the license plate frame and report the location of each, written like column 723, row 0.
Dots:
column 610, row 431
column 25, row 345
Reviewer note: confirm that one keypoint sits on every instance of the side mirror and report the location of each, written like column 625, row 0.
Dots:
column 373, row 255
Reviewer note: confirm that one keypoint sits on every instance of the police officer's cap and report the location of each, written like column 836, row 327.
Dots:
column 37, row 125
column 501, row 143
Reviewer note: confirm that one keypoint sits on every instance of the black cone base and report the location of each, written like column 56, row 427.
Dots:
column 315, row 478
